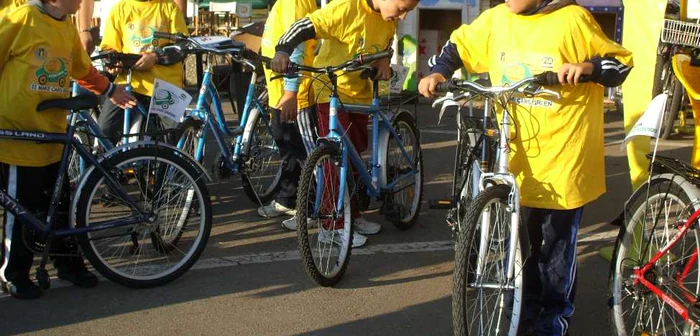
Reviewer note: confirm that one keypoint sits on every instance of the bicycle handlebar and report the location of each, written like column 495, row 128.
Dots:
column 167, row 36
column 115, row 59
column 547, row 78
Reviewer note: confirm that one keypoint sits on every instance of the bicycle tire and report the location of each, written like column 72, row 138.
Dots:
column 405, row 126
column 662, row 68
column 631, row 251
column 306, row 208
column 464, row 274
column 180, row 174
column 262, row 151
column 673, row 106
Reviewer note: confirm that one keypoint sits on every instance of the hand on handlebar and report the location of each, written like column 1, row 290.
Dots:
column 427, row 85
column 383, row 69
column 121, row 98
column 147, row 61
column 570, row 73
column 280, row 63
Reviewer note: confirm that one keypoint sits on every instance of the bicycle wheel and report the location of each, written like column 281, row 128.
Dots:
column 189, row 138
column 487, row 303
column 324, row 233
column 402, row 205
column 673, row 105
column 159, row 179
column 263, row 169
column 651, row 224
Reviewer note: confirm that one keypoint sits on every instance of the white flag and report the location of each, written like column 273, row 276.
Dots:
column 169, row 100
column 650, row 122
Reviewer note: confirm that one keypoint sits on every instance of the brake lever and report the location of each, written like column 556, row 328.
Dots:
column 547, row 92
column 447, row 101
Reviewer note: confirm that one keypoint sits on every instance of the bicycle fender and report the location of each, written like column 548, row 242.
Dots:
column 690, row 189
column 383, row 143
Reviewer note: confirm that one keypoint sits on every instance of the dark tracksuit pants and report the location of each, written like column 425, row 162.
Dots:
column 32, row 187
column 295, row 140
column 550, row 271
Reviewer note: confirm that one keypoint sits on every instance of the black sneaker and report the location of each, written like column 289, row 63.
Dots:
column 74, row 271
column 23, row 289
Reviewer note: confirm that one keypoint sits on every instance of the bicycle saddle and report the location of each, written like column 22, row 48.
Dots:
column 81, row 102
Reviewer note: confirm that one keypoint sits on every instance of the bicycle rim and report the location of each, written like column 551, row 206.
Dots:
column 652, row 224
column 147, row 253
column 487, row 303
column 264, row 166
column 325, row 235
column 407, row 194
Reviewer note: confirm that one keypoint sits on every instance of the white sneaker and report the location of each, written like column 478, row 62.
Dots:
column 275, row 209
column 365, row 227
column 290, row 223
column 338, row 236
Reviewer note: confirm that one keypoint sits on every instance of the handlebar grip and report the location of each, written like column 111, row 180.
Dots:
column 547, row 78
column 550, row 78
column 364, row 59
column 371, row 73
column 444, row 87
column 265, row 60
column 168, row 36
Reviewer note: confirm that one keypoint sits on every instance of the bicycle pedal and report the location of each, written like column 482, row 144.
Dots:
column 441, row 204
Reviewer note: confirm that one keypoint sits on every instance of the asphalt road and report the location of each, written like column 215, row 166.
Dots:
column 250, row 280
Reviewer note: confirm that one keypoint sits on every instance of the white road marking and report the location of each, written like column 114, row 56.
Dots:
column 268, row 257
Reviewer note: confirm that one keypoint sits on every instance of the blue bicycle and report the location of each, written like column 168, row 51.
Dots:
column 394, row 176
column 126, row 210
column 253, row 153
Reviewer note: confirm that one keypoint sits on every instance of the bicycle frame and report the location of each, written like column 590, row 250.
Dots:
column 640, row 276
column 375, row 185
column 14, row 207
column 503, row 176
column 217, row 124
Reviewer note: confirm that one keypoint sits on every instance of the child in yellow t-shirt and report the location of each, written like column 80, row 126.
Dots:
column 129, row 29
column 557, row 151
column 39, row 53
column 348, row 27
column 293, row 116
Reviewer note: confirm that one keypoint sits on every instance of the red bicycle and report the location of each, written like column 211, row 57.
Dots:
column 654, row 274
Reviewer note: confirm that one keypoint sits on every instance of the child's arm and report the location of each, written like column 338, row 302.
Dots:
column 607, row 63
column 87, row 76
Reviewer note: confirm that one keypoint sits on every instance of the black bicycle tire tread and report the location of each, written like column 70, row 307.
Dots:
column 302, row 214
column 460, row 270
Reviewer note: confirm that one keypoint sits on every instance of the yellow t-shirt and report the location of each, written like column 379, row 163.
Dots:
column 7, row 5
column 283, row 14
column 349, row 28
column 38, row 56
column 130, row 27
column 556, row 146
